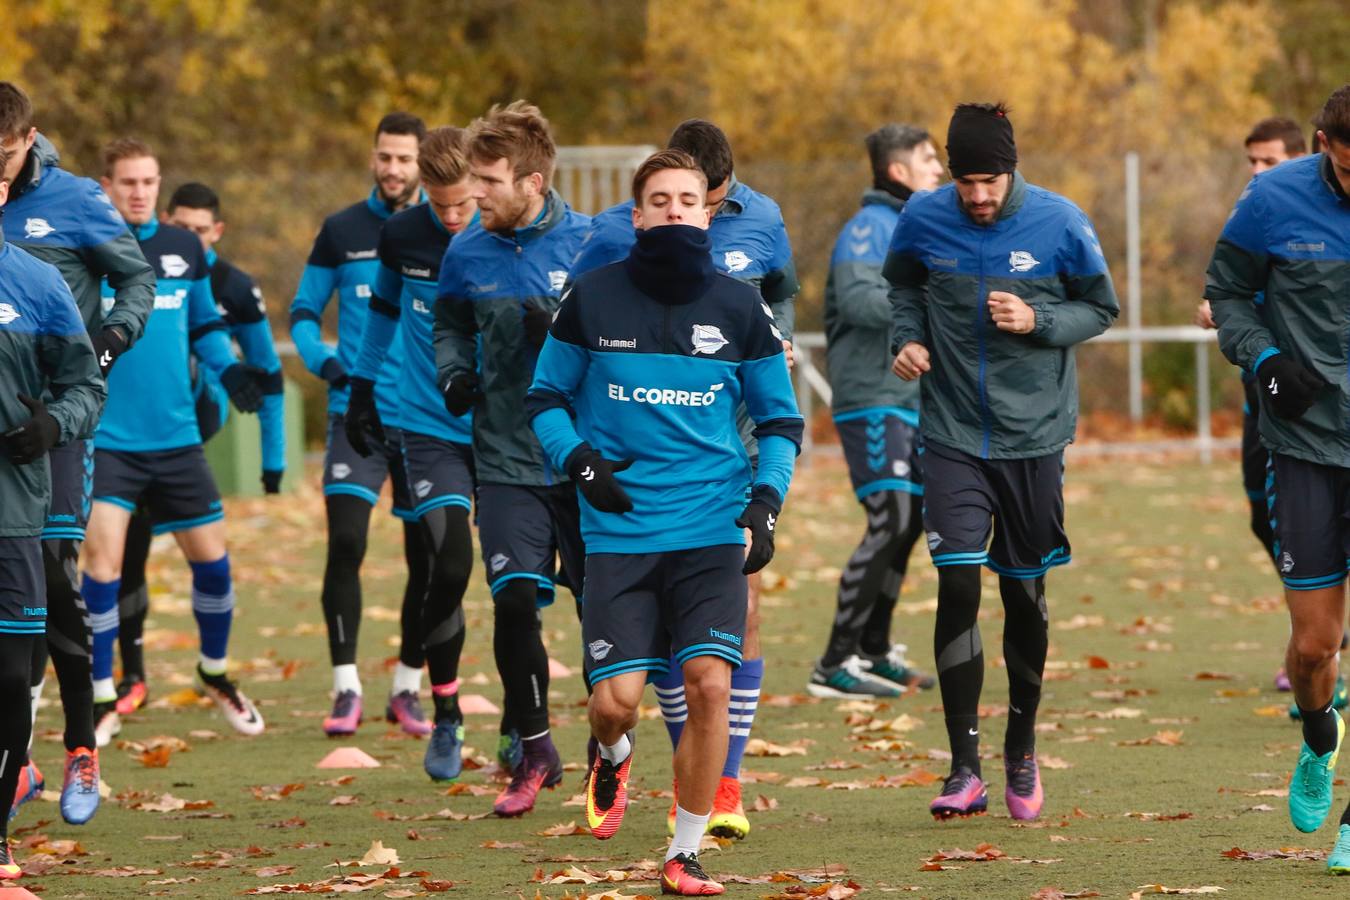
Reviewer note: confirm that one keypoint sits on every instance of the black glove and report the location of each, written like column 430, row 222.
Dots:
column 334, row 373
column 244, row 384
column 271, row 479
column 594, row 477
column 108, row 345
column 1289, row 389
column 30, row 441
column 761, row 517
column 362, row 417
column 535, row 324
column 462, row 393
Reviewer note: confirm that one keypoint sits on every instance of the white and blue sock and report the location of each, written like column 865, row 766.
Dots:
column 670, row 696
column 100, row 598
column 213, row 608
column 745, row 683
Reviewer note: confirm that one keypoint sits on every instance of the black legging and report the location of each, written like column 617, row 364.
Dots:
column 69, row 640
column 870, row 583
column 16, row 722
column 446, row 532
column 348, row 524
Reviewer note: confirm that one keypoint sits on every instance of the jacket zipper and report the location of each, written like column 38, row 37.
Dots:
column 980, row 327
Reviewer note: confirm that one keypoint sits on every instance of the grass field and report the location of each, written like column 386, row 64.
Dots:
column 1163, row 742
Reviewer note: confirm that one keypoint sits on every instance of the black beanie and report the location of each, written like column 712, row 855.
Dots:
column 980, row 141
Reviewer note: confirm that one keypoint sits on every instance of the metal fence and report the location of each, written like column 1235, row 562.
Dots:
column 595, row 178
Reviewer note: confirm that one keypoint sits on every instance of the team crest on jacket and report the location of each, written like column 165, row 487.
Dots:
column 173, row 265
column 7, row 314
column 37, row 228
column 708, row 339
column 1022, row 261
column 737, row 260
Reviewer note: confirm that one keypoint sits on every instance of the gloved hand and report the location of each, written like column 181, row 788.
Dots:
column 244, row 384
column 362, row 417
column 30, row 441
column 594, row 477
column 463, row 391
column 333, row 372
column 108, row 345
column 1289, row 388
column 271, row 480
column 761, row 517
column 535, row 324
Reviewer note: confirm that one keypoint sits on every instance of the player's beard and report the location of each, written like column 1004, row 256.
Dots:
column 505, row 217
column 402, row 198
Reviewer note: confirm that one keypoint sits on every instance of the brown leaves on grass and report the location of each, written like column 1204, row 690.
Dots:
column 275, row 791
column 1053, row 893
column 981, row 853
column 1138, row 893
column 1283, row 853
column 1158, row 739
column 564, row 829
column 161, row 803
column 761, row 747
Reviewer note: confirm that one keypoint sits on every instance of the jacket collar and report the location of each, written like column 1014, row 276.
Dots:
column 144, row 232
column 1332, row 182
column 382, row 209
column 552, row 213
column 878, row 197
column 42, row 156
column 734, row 202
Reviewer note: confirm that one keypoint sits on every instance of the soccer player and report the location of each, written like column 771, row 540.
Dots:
column 436, row 445
column 196, row 208
column 877, row 416
column 148, row 448
column 653, row 356
column 999, row 396
column 44, row 352
column 1288, row 240
column 345, row 259
column 68, row 222
column 749, row 243
column 497, row 292
column 1271, row 142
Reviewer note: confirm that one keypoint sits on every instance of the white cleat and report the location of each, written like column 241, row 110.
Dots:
column 238, row 710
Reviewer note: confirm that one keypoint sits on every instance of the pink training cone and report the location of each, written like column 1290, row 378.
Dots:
column 557, row 669
column 477, row 703
column 345, row 758
column 17, row 893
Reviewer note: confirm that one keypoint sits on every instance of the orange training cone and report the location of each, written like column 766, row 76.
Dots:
column 346, row 758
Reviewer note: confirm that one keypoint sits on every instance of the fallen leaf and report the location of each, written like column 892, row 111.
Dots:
column 763, row 804
column 1097, row 662
column 343, row 800
column 1163, row 889
column 273, row 871
column 503, row 845
column 158, row 758
column 761, row 747
column 125, row 872
column 380, row 855
column 1050, row 893
column 1282, row 853
column 1158, row 739
column 566, row 829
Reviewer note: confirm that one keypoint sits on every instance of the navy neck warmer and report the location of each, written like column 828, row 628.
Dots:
column 672, row 264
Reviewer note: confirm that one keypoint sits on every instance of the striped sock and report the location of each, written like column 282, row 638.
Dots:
column 745, row 683
column 670, row 696
column 100, row 598
column 213, row 608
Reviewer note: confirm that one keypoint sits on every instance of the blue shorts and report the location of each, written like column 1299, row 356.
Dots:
column 175, row 486
column 1021, row 500
column 72, row 486
column 347, row 472
column 525, row 532
column 881, row 447
column 643, row 608
column 440, row 472
column 23, row 588
column 1309, row 506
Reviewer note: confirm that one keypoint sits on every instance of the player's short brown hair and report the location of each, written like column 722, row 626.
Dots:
column 517, row 132
column 16, row 111
column 124, row 148
column 441, row 158
column 1334, row 119
column 1278, row 128
column 660, row 161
